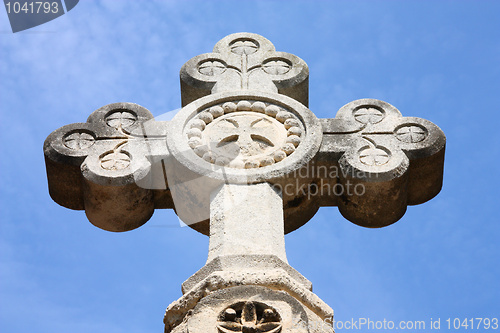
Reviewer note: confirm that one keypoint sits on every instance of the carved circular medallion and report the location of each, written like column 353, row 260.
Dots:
column 374, row 156
column 78, row 140
column 115, row 160
column 121, row 119
column 369, row 115
column 411, row 133
column 248, row 309
column 211, row 67
column 250, row 316
column 276, row 66
column 244, row 46
column 244, row 136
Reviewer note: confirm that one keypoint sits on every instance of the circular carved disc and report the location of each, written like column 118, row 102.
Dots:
column 245, row 137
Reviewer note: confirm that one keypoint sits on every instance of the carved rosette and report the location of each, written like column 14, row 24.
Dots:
column 244, row 134
column 249, row 317
column 248, row 309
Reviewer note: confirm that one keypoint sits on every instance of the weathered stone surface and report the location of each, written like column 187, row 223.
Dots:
column 196, row 168
column 102, row 165
column 260, row 234
column 224, row 288
column 244, row 61
column 245, row 136
column 244, row 262
column 245, row 161
column 398, row 161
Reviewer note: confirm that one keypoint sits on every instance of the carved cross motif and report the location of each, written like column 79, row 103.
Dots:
column 244, row 134
column 245, row 161
column 252, row 134
column 398, row 160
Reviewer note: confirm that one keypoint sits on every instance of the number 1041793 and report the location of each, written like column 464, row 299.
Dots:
column 472, row 323
column 32, row 7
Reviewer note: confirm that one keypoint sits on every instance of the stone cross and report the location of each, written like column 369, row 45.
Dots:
column 245, row 161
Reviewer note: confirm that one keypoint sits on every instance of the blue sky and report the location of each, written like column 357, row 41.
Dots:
column 438, row 60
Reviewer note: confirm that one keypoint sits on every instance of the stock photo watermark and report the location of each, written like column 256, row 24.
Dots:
column 479, row 324
column 24, row 15
column 302, row 183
